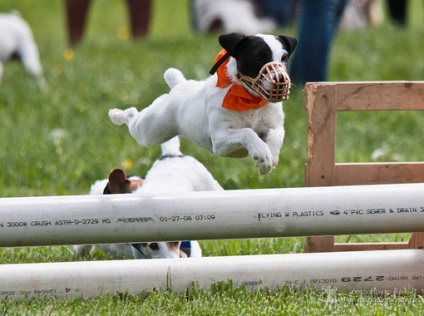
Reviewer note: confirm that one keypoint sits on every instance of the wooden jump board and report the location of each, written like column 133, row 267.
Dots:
column 322, row 102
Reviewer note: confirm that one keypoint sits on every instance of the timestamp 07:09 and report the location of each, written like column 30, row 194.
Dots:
column 178, row 218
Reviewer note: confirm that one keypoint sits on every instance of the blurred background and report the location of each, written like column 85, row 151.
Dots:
column 58, row 139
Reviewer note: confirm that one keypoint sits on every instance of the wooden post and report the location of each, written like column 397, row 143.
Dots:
column 322, row 101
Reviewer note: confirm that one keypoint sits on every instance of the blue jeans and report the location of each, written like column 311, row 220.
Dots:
column 318, row 24
column 281, row 11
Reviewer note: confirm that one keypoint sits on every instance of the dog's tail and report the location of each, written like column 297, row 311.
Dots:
column 173, row 77
column 171, row 147
column 119, row 117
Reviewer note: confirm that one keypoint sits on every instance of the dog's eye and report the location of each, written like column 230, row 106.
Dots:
column 154, row 246
column 256, row 57
column 285, row 58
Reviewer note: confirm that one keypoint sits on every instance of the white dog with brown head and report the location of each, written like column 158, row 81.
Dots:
column 172, row 173
column 234, row 113
column 119, row 183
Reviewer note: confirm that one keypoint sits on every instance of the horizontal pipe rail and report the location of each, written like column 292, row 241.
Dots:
column 391, row 270
column 66, row 220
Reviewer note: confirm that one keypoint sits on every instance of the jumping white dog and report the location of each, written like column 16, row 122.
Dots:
column 16, row 39
column 235, row 113
column 172, row 173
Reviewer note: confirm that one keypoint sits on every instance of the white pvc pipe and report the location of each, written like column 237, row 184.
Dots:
column 391, row 270
column 212, row 215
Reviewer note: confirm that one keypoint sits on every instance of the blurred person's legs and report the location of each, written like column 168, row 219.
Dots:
column 139, row 11
column 76, row 15
column 77, row 10
column 398, row 11
column 319, row 20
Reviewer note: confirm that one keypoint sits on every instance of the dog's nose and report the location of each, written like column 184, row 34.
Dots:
column 278, row 77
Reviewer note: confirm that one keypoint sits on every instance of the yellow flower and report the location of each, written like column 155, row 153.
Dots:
column 69, row 54
column 124, row 97
column 123, row 33
column 128, row 163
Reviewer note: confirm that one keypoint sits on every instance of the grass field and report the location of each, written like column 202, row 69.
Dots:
column 59, row 142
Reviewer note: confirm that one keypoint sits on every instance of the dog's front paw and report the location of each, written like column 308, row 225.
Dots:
column 119, row 117
column 263, row 160
column 275, row 159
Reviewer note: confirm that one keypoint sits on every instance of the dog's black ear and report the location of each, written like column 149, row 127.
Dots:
column 289, row 42
column 230, row 41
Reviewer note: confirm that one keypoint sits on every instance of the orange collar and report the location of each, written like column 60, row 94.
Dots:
column 237, row 97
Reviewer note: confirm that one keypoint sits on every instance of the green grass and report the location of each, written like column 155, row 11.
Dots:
column 223, row 299
column 58, row 143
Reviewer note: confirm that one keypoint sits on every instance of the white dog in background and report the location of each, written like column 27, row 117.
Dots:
column 16, row 39
column 175, row 173
column 230, row 15
column 235, row 113
column 172, row 173
column 359, row 14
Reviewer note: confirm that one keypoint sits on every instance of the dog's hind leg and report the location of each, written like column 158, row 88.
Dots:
column 120, row 117
column 153, row 125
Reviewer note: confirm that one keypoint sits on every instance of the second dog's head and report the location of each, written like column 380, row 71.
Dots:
column 260, row 63
column 157, row 250
column 119, row 183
